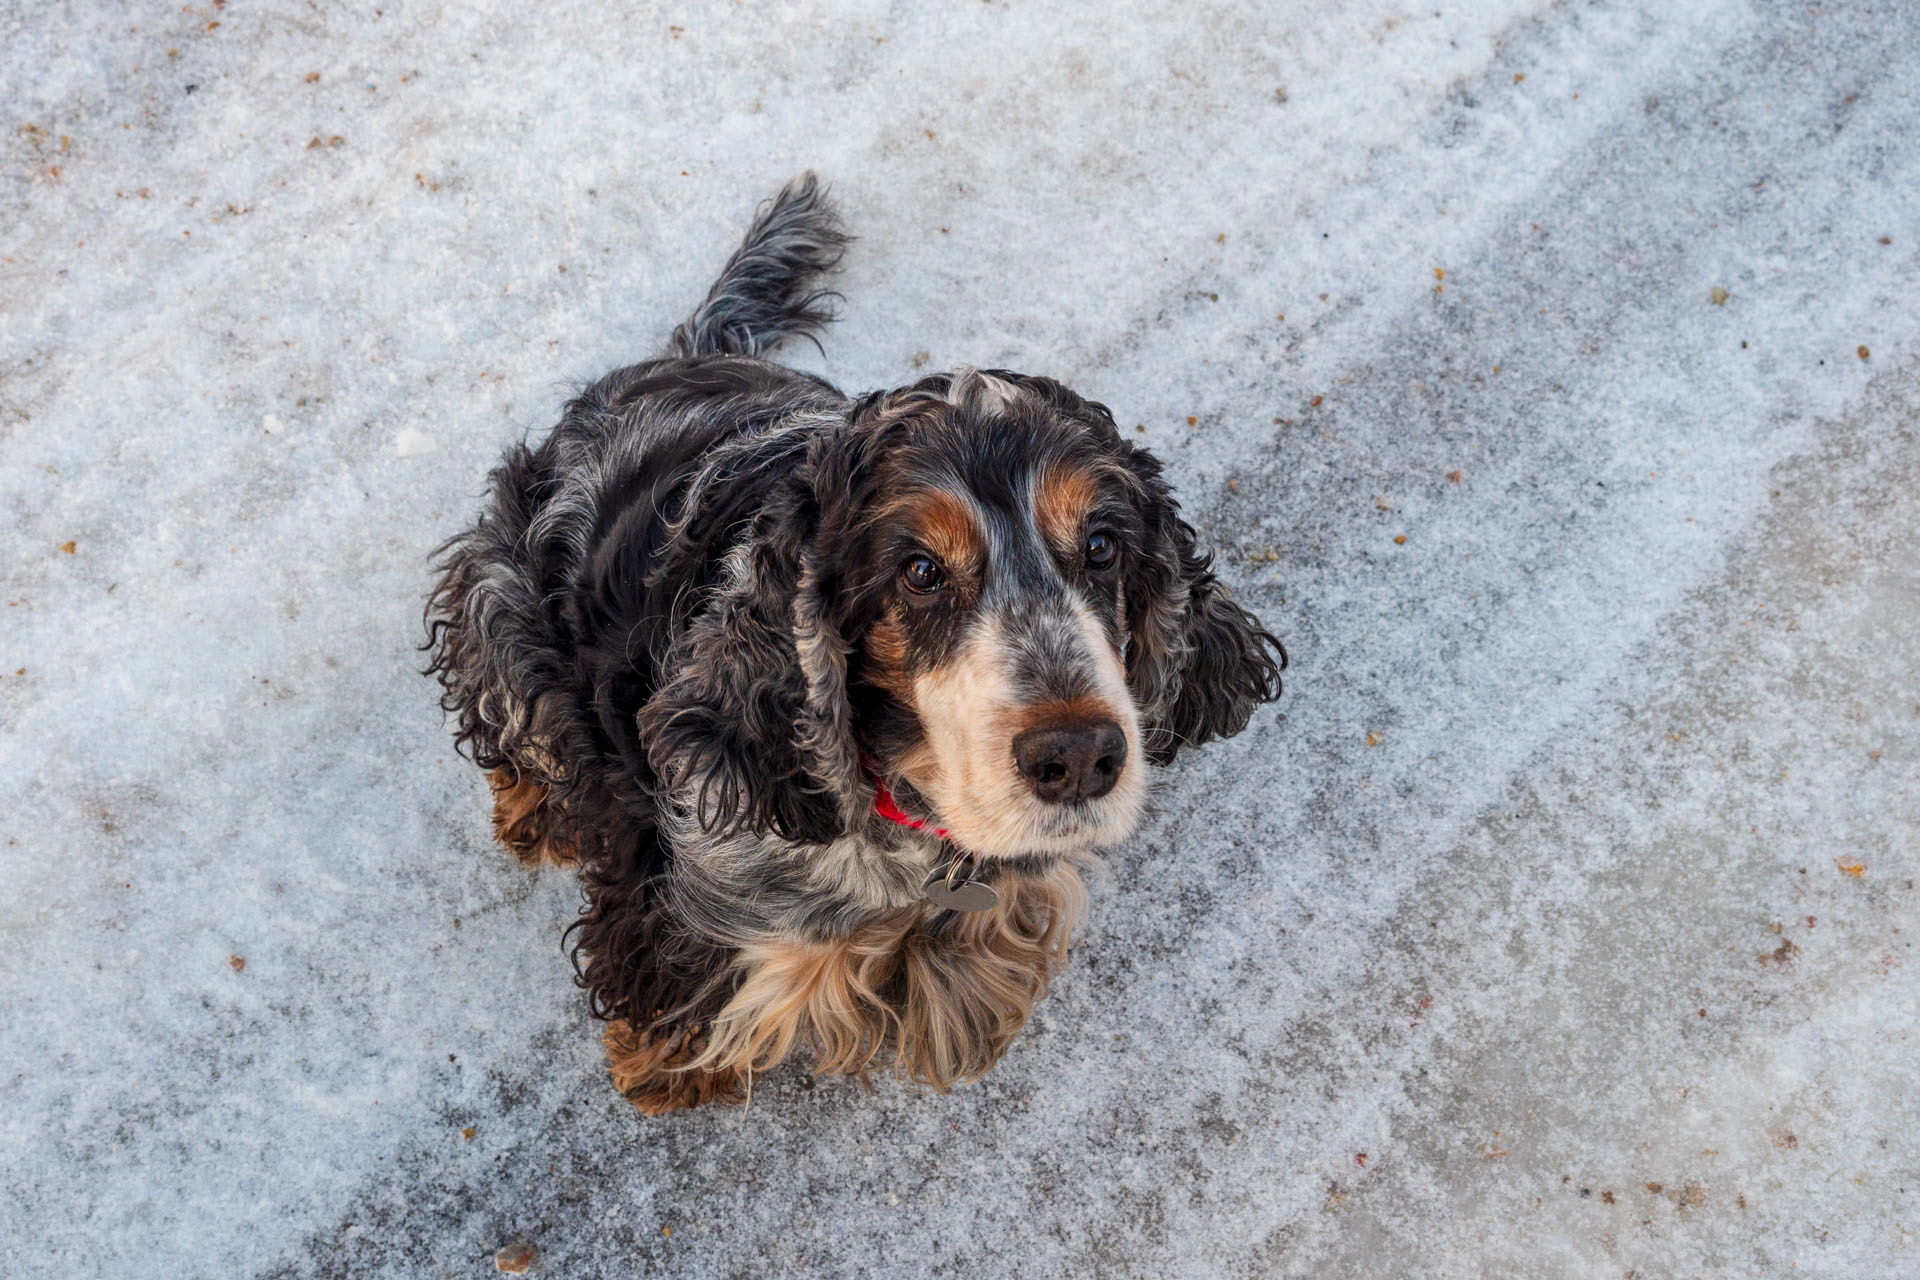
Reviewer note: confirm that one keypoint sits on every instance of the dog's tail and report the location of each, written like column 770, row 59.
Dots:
column 766, row 292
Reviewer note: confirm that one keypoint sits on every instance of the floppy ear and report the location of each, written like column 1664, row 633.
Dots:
column 751, row 717
column 1197, row 662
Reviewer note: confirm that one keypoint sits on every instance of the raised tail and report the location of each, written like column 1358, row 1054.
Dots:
column 766, row 291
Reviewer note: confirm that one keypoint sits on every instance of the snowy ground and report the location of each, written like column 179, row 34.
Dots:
column 1558, row 922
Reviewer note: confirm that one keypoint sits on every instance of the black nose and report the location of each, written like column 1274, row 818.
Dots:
column 1065, row 763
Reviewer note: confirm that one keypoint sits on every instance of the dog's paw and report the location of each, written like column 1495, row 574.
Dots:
column 652, row 1075
column 524, row 822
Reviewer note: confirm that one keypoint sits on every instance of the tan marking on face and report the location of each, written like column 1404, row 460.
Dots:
column 969, row 711
column 942, row 1004
column 1089, row 709
column 1062, row 497
column 945, row 525
column 886, row 657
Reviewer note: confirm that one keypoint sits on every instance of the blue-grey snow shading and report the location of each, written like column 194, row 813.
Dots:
column 1522, row 938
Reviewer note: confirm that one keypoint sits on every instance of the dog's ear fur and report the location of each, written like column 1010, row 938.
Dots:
column 1197, row 662
column 754, row 722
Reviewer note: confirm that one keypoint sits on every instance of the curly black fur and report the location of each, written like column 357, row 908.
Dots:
column 660, row 617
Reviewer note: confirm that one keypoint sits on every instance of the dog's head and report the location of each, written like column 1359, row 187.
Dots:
column 977, row 590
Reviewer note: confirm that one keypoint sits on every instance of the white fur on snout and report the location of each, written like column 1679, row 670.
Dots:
column 969, row 710
column 1110, row 681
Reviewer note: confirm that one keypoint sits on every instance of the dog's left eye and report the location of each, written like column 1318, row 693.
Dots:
column 1102, row 549
column 923, row 575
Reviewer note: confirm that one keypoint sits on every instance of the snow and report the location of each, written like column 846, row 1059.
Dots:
column 1536, row 889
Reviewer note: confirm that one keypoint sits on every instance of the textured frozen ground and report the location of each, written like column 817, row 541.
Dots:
column 1519, row 939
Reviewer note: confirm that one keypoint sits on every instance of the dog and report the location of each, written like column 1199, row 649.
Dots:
column 830, row 701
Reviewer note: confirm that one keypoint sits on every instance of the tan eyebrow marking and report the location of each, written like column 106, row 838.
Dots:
column 945, row 525
column 1062, row 497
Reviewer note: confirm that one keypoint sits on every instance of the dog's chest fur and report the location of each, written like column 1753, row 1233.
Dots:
column 745, row 886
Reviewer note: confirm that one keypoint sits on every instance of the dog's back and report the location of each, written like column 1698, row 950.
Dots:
column 581, row 550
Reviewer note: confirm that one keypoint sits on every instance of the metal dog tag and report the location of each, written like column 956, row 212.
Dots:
column 951, row 892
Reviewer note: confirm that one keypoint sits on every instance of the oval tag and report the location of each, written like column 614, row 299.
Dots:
column 967, row 895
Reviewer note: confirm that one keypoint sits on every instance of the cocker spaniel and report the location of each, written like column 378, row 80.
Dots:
column 829, row 700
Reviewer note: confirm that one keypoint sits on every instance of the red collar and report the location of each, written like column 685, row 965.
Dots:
column 883, row 804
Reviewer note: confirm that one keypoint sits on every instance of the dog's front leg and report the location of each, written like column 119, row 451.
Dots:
column 525, row 820
column 653, row 1072
column 972, row 979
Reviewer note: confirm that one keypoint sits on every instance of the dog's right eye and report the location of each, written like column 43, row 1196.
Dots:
column 923, row 575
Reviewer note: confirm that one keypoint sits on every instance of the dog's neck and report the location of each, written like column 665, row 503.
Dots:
column 887, row 807
column 959, row 879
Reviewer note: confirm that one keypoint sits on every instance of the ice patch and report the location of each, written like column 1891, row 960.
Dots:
column 412, row 442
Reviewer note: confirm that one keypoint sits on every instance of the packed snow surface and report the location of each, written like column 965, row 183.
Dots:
column 1545, row 374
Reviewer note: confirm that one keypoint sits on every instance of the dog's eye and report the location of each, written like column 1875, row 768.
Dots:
column 1102, row 548
column 923, row 575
